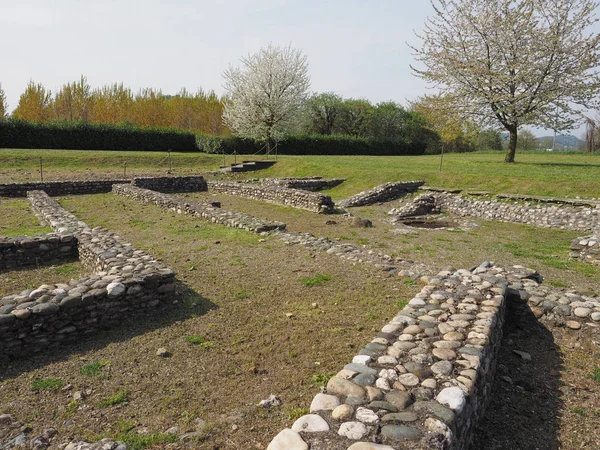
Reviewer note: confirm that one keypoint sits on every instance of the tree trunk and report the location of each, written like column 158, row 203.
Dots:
column 512, row 144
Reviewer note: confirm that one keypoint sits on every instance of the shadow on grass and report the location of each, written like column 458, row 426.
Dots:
column 525, row 403
column 189, row 304
column 558, row 164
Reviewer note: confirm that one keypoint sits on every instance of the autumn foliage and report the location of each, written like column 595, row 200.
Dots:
column 116, row 104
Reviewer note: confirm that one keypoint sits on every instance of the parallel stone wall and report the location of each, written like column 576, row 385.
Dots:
column 311, row 201
column 204, row 211
column 55, row 188
column 305, row 184
column 383, row 193
column 125, row 281
column 36, row 250
column 564, row 217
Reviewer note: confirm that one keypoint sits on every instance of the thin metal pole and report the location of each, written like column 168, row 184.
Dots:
column 442, row 157
column 170, row 161
column 41, row 170
column 235, row 156
column 125, row 169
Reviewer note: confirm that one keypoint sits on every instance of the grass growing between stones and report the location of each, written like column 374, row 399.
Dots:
column 19, row 220
column 15, row 281
column 258, row 350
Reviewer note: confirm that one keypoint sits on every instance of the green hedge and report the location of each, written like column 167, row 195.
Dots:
column 84, row 136
column 316, row 145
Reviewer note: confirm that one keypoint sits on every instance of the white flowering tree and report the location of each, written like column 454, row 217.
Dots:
column 513, row 62
column 264, row 96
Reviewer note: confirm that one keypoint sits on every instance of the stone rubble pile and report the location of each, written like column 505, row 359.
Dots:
column 420, row 206
column 124, row 281
column 586, row 248
column 424, row 381
column 205, row 211
column 382, row 193
column 304, row 184
column 36, row 250
column 296, row 198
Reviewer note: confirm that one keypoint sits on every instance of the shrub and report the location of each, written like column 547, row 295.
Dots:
column 85, row 136
column 314, row 145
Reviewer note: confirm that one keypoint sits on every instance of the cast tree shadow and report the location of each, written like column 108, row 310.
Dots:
column 190, row 304
column 525, row 404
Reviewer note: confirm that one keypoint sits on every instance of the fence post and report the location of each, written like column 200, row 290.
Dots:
column 125, row 169
column 41, row 170
column 170, row 166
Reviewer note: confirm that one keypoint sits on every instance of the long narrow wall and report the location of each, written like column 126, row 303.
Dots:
column 296, row 198
column 425, row 380
column 55, row 188
column 205, row 211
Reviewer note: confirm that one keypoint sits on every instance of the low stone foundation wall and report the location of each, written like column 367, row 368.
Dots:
column 172, row 184
column 56, row 188
column 311, row 201
column 36, row 250
column 125, row 281
column 304, row 184
column 204, row 211
column 383, row 193
column 587, row 249
column 564, row 217
column 424, row 381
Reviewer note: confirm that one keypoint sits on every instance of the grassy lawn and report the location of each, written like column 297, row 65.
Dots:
column 549, row 174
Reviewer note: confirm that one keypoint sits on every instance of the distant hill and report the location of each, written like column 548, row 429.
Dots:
column 562, row 142
column 567, row 142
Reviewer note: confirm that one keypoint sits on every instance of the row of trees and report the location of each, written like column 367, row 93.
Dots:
column 116, row 104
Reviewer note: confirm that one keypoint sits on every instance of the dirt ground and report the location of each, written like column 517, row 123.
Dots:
column 249, row 298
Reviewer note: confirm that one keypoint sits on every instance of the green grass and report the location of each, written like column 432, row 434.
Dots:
column 196, row 339
column 296, row 413
column 19, row 220
column 46, row 384
column 137, row 441
column 93, row 369
column 322, row 378
column 579, row 411
column 596, row 375
column 557, row 174
column 318, row 280
column 117, row 399
column 242, row 295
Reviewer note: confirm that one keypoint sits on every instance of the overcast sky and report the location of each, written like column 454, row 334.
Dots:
column 356, row 48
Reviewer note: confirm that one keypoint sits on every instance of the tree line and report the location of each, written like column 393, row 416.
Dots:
column 116, row 104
